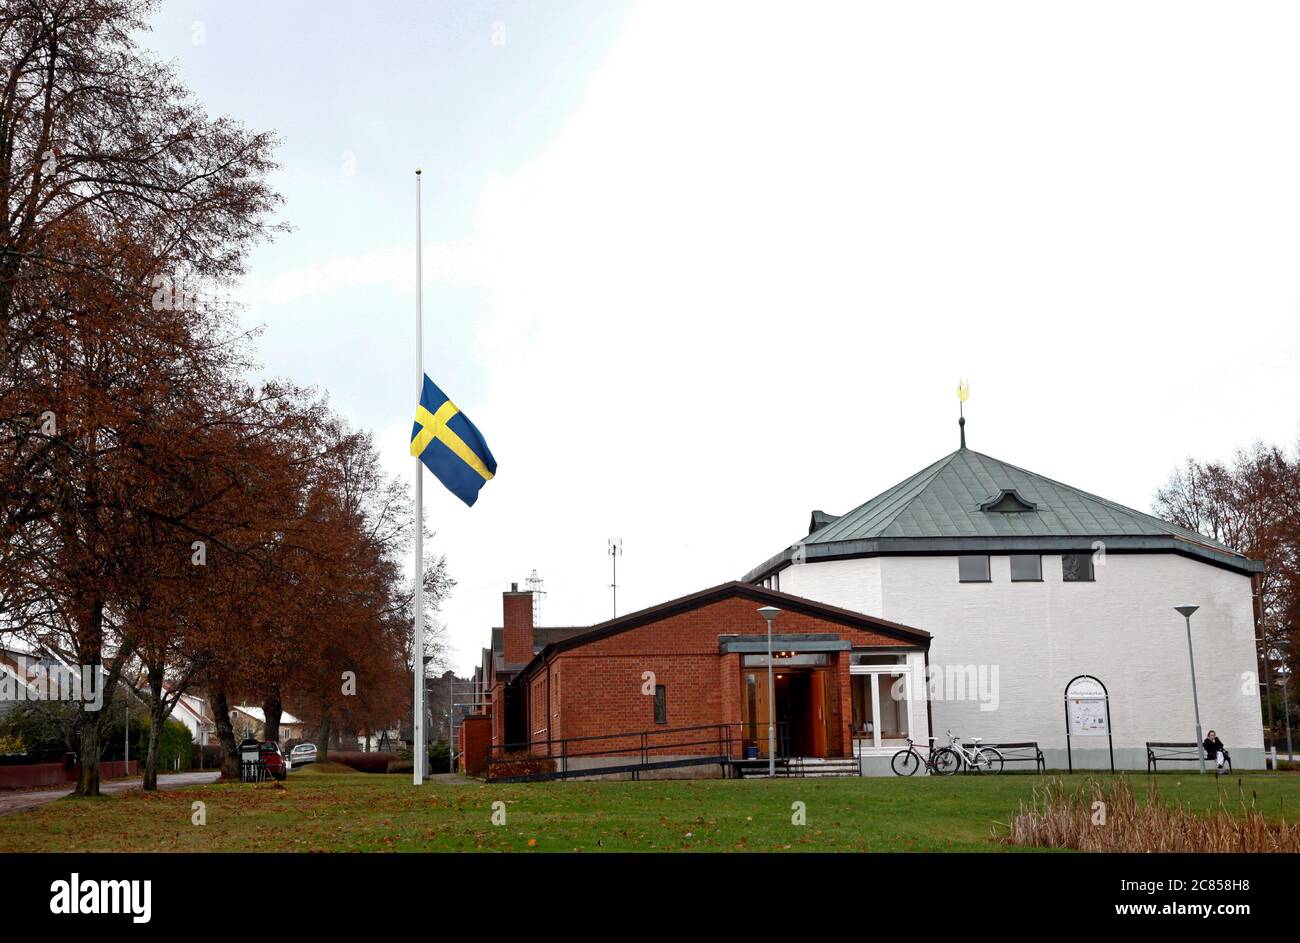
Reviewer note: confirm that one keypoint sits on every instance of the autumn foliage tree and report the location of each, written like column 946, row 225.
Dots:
column 164, row 521
column 1252, row 504
column 359, row 603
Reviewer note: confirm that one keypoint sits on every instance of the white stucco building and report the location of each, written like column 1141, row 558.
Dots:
column 1026, row 583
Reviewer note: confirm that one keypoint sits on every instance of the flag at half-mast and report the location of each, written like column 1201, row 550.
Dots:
column 450, row 445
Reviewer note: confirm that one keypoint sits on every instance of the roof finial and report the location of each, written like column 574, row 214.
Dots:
column 963, row 394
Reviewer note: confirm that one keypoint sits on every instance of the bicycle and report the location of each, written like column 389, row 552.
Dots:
column 980, row 759
column 941, row 762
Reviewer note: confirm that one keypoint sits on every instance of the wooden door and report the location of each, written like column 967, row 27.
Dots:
column 819, row 695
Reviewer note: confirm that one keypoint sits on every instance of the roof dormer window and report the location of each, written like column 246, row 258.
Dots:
column 1008, row 501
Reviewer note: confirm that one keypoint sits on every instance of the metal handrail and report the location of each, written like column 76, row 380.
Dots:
column 550, row 745
column 642, row 744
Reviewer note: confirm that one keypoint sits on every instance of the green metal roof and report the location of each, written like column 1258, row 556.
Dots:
column 968, row 501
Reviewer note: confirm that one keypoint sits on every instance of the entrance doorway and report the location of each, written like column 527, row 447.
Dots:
column 802, row 710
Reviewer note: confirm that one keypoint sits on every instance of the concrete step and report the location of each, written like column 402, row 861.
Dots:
column 813, row 767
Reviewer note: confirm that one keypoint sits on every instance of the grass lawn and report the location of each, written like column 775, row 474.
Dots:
column 323, row 809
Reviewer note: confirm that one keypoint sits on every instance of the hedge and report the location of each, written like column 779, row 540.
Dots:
column 521, row 764
column 363, row 762
column 174, row 744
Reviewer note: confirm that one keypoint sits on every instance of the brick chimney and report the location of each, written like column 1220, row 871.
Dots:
column 517, row 627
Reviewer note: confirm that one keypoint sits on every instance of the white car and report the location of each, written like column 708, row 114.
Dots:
column 302, row 754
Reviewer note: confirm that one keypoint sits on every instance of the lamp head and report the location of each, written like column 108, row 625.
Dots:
column 769, row 613
column 1186, row 611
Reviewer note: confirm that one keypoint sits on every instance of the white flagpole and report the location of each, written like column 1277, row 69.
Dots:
column 417, row 728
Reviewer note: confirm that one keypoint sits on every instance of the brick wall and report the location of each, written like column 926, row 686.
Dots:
column 498, row 712
column 517, row 628
column 475, row 734
column 51, row 774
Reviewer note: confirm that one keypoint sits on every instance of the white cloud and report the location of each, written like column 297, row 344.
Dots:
column 389, row 269
column 744, row 279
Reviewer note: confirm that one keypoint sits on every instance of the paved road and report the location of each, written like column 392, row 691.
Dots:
column 22, row 800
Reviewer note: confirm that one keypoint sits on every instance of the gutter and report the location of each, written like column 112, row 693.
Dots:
column 951, row 546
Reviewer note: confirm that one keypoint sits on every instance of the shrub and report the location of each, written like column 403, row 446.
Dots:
column 40, row 725
column 520, row 764
column 1056, row 818
column 439, row 757
column 363, row 762
column 174, row 744
column 401, row 766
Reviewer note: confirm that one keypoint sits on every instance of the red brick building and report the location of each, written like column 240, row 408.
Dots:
column 689, row 678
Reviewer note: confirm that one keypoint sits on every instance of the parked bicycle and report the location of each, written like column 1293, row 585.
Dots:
column 941, row 762
column 978, row 759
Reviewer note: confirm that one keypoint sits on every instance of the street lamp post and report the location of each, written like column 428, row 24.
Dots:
column 1186, row 612
column 770, row 613
column 1286, row 713
column 1284, row 683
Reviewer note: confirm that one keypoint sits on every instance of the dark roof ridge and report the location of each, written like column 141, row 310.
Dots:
column 722, row 591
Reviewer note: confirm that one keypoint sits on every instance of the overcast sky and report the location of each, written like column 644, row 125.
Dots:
column 695, row 269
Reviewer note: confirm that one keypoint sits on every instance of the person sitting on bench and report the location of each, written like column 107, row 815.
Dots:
column 1215, row 750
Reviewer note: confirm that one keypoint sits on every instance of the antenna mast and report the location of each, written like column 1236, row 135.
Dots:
column 535, row 584
column 615, row 551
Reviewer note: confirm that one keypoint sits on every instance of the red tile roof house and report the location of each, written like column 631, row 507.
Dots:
column 684, row 686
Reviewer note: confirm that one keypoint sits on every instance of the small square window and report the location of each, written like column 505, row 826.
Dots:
column 1026, row 568
column 973, row 569
column 1077, row 568
column 661, row 704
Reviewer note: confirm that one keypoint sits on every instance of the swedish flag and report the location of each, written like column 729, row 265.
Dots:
column 450, row 445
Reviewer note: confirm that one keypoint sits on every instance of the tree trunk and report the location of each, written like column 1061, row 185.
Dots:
column 155, row 728
column 91, row 745
column 323, row 748
column 226, row 734
column 272, row 709
column 90, row 722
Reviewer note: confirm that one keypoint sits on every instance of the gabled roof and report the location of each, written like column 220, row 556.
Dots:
column 541, row 635
column 968, row 502
column 286, row 719
column 906, row 634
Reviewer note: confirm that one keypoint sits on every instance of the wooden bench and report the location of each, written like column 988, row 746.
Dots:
column 1179, row 753
column 1024, row 752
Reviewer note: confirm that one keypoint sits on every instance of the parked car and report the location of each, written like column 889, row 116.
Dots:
column 302, row 754
column 275, row 763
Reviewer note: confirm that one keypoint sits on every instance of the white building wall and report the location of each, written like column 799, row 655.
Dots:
column 849, row 584
column 198, row 730
column 1023, row 642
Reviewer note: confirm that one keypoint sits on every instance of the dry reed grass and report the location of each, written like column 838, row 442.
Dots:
column 1058, row 818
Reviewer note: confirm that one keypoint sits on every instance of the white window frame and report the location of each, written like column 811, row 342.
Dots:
column 904, row 671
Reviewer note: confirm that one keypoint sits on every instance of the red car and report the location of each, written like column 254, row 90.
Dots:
column 269, row 753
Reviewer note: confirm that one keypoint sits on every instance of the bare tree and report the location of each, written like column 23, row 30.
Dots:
column 1252, row 504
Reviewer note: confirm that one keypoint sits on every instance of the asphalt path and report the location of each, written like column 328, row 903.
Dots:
column 20, row 800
